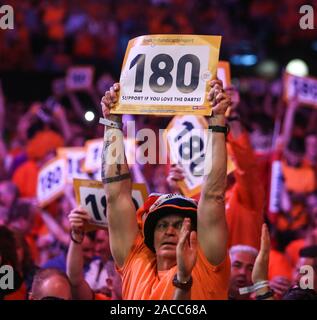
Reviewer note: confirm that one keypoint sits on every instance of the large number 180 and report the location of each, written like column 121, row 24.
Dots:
column 161, row 79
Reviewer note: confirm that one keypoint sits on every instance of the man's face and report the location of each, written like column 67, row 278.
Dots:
column 166, row 235
column 241, row 271
column 102, row 246
column 88, row 247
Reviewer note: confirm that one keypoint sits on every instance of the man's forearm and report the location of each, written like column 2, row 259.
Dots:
column 75, row 263
column 115, row 170
column 215, row 183
column 75, row 273
column 181, row 294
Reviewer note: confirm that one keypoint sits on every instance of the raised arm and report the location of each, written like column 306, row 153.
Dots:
column 261, row 266
column 75, row 260
column 186, row 254
column 211, row 224
column 289, row 122
column 121, row 212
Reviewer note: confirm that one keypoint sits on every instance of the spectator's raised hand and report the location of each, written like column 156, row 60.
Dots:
column 78, row 219
column 280, row 284
column 186, row 251
column 108, row 101
column 261, row 265
column 220, row 101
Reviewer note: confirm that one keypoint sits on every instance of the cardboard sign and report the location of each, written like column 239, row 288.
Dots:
column 93, row 149
column 79, row 78
column 91, row 196
column 223, row 73
column 168, row 75
column 186, row 138
column 52, row 180
column 75, row 158
column 305, row 88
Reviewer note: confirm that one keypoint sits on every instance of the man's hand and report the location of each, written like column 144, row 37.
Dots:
column 220, row 101
column 186, row 251
column 108, row 101
column 261, row 265
column 78, row 218
column 176, row 174
column 280, row 285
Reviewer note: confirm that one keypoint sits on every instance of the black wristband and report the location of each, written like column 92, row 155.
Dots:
column 182, row 285
column 265, row 296
column 223, row 129
column 74, row 240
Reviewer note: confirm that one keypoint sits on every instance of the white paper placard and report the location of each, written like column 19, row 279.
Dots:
column 52, row 180
column 305, row 88
column 187, row 139
column 90, row 195
column 75, row 158
column 168, row 74
column 79, row 78
column 92, row 161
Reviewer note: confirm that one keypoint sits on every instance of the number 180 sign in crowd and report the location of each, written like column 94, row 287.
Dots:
column 168, row 74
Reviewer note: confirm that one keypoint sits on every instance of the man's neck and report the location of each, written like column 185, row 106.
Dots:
column 165, row 263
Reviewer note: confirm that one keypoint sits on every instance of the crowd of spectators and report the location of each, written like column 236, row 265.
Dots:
column 51, row 36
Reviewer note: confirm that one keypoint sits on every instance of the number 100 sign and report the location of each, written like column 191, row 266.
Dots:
column 168, row 74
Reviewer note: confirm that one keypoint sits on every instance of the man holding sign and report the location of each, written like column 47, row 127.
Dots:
column 146, row 244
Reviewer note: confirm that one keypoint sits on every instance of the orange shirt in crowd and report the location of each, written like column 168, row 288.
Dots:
column 279, row 265
column 299, row 180
column 42, row 144
column 245, row 201
column 25, row 178
column 142, row 281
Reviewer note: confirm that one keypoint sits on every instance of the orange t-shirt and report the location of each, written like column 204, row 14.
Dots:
column 279, row 265
column 25, row 178
column 142, row 281
column 299, row 180
column 245, row 201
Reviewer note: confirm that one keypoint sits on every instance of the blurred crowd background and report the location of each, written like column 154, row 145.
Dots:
column 39, row 113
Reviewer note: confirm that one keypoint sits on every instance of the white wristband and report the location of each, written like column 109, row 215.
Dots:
column 256, row 286
column 112, row 124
